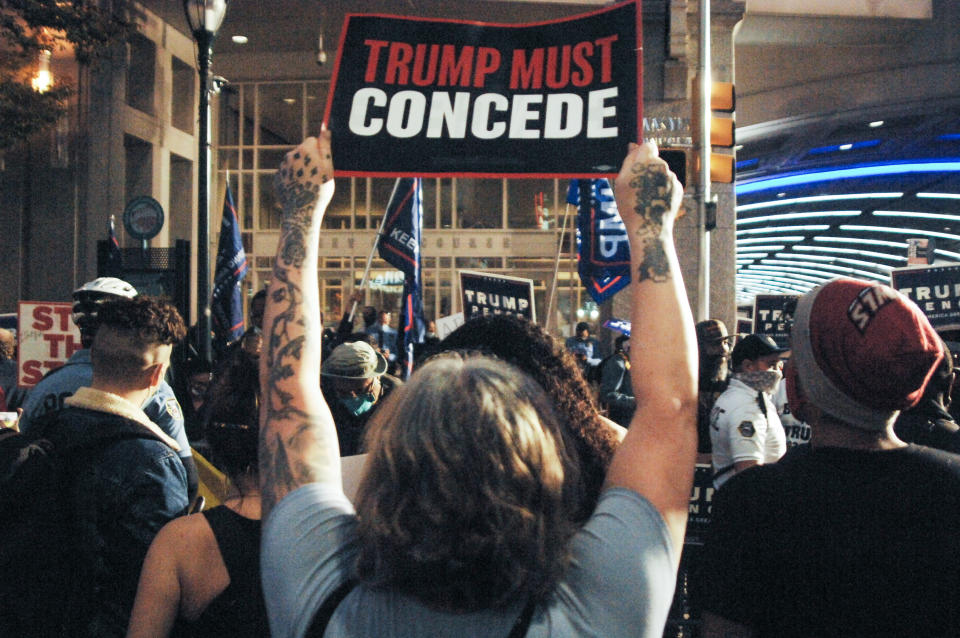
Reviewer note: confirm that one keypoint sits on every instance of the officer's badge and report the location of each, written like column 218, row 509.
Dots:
column 746, row 429
column 173, row 409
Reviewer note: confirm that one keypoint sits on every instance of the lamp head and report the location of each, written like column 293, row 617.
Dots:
column 205, row 16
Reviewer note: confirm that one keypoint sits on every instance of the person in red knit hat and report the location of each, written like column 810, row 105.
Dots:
column 855, row 534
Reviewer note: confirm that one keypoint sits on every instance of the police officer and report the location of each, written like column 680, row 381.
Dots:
column 744, row 427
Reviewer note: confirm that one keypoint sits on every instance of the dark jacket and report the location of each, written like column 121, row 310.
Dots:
column 616, row 390
column 928, row 423
column 121, row 497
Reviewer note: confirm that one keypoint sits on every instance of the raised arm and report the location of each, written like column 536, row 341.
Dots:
column 657, row 457
column 298, row 440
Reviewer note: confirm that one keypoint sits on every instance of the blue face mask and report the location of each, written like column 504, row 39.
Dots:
column 358, row 405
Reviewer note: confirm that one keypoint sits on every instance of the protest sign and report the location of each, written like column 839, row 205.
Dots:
column 438, row 98
column 936, row 290
column 446, row 325
column 486, row 294
column 46, row 339
column 773, row 316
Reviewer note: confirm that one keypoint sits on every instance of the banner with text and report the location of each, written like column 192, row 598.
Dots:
column 485, row 294
column 773, row 316
column 437, row 98
column 935, row 290
column 46, row 339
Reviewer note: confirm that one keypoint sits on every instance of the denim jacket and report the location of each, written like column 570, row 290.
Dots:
column 122, row 495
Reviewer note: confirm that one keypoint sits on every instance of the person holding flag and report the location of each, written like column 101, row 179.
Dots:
column 227, row 302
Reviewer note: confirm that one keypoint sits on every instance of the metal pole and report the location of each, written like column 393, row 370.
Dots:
column 556, row 270
column 205, row 52
column 366, row 270
column 704, row 196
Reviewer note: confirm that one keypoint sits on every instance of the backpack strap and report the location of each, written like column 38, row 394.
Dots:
column 318, row 626
column 322, row 618
column 523, row 621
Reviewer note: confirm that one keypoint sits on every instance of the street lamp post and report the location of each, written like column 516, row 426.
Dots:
column 204, row 18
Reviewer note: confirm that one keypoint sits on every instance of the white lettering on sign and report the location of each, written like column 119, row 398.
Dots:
column 409, row 113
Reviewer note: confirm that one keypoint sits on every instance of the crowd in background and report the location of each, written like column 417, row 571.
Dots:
column 514, row 485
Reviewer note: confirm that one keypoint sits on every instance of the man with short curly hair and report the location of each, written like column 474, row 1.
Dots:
column 125, row 478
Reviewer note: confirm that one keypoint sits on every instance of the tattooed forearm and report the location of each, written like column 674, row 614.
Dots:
column 654, row 190
column 298, row 439
column 655, row 266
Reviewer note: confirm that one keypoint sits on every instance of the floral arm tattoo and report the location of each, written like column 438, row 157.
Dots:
column 654, row 190
column 289, row 452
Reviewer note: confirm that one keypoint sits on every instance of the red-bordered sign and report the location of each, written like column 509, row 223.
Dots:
column 414, row 97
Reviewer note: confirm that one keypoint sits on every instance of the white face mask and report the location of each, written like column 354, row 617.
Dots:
column 762, row 380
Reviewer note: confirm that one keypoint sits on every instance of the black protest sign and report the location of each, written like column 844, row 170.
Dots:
column 773, row 316
column 936, row 290
column 438, row 98
column 484, row 294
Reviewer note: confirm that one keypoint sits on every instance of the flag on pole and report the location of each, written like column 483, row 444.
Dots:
column 227, row 302
column 114, row 267
column 603, row 248
column 399, row 245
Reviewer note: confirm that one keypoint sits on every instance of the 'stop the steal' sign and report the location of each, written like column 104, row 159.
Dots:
column 435, row 98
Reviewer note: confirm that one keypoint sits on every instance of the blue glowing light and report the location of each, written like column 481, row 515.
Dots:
column 864, row 170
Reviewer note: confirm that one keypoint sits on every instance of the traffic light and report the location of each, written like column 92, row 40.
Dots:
column 722, row 132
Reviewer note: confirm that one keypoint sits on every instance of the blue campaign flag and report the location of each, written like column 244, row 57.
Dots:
column 227, row 302
column 603, row 249
column 399, row 245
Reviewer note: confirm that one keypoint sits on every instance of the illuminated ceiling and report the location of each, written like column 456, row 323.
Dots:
column 842, row 197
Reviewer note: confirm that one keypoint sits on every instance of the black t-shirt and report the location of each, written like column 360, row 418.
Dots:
column 838, row 542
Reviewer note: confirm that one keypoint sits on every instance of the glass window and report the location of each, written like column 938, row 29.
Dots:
column 480, row 203
column 269, row 208
column 316, row 104
column 340, row 210
column 429, row 202
column 249, row 98
column 271, row 158
column 245, row 199
column 446, row 203
column 183, row 110
column 380, row 192
column 139, row 167
column 281, row 114
column 227, row 160
column 141, row 72
column 530, row 204
column 229, row 116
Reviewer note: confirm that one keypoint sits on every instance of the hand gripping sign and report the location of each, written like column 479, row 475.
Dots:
column 430, row 98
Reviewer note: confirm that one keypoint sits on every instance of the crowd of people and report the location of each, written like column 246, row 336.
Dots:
column 514, row 485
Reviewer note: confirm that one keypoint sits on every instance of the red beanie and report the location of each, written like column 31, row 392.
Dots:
column 863, row 351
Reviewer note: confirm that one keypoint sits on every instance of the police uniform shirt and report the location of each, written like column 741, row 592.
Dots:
column 740, row 431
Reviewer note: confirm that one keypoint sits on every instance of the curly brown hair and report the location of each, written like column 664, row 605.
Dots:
column 465, row 500
column 152, row 320
column 530, row 348
column 131, row 336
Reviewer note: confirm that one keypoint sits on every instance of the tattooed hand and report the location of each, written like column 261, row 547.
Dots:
column 648, row 197
column 304, row 182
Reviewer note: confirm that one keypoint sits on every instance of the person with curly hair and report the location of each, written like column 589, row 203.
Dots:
column 124, row 478
column 589, row 437
column 464, row 520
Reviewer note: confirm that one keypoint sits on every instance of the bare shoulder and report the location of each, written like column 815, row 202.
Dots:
column 186, row 536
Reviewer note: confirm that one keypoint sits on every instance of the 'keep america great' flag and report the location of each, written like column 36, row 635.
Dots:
column 399, row 245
